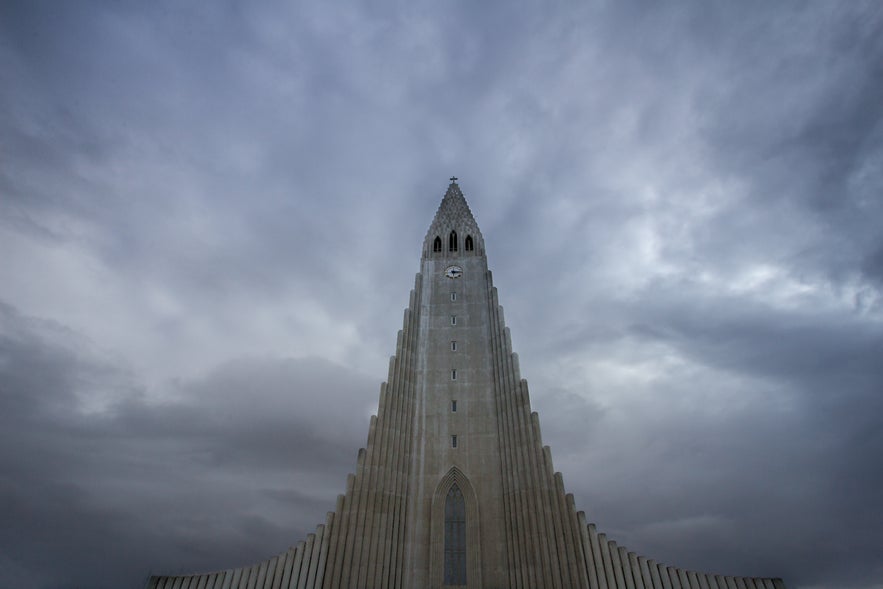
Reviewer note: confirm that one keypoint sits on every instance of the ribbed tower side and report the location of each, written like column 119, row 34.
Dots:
column 367, row 549
column 545, row 539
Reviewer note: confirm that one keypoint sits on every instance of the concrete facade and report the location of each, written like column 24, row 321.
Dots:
column 454, row 437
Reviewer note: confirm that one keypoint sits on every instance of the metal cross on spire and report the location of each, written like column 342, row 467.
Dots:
column 453, row 179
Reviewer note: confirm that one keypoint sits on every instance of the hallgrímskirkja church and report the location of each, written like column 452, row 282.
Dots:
column 455, row 487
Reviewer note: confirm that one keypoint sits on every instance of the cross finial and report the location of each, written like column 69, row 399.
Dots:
column 453, row 179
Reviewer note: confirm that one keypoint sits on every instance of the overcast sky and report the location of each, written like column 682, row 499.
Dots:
column 211, row 215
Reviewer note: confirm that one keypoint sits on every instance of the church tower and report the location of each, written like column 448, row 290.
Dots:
column 454, row 487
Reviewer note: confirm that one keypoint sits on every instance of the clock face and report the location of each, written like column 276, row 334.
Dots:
column 453, row 271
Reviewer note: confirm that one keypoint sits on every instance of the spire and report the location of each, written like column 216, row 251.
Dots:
column 453, row 214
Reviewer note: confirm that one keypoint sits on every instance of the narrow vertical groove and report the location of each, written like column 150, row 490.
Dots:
column 249, row 581
column 645, row 573
column 505, row 431
column 280, row 570
column 321, row 570
column 271, row 572
column 617, row 564
column 385, row 417
column 365, row 503
column 637, row 575
column 289, row 571
column 663, row 576
column 587, row 549
column 626, row 567
column 379, row 489
column 305, row 561
column 516, row 549
column 394, row 570
column 596, row 557
column 522, row 476
column 555, row 509
column 544, row 507
column 405, row 389
column 235, row 578
column 335, row 581
column 675, row 580
column 579, row 542
column 346, row 573
column 569, row 563
column 261, row 576
column 331, row 576
column 314, row 557
column 605, row 557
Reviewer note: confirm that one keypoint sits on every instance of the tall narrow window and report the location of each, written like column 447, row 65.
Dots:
column 453, row 374
column 468, row 245
column 455, row 536
column 453, row 346
column 436, row 245
column 452, row 242
column 453, row 406
column 453, row 441
column 453, row 296
column 453, row 320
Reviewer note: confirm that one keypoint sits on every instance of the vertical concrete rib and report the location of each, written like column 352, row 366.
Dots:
column 578, row 533
column 346, row 573
column 362, row 539
column 637, row 573
column 379, row 493
column 591, row 573
column 504, row 419
column 394, row 570
column 235, row 578
column 646, row 575
column 271, row 572
column 626, row 567
column 571, row 541
column 323, row 551
column 248, row 580
column 683, row 580
column 598, row 560
column 314, row 558
column 663, row 576
column 544, row 503
column 305, row 561
column 261, row 576
column 295, row 564
column 608, row 563
column 617, row 564
column 283, row 565
column 517, row 536
column 702, row 579
column 516, row 546
column 557, row 519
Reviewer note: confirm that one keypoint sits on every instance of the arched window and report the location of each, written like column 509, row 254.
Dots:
column 468, row 245
column 436, row 245
column 452, row 242
column 455, row 537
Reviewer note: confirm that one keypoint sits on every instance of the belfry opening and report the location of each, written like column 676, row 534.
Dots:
column 454, row 487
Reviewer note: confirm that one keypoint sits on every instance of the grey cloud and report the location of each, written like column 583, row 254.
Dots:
column 215, row 182
column 88, row 491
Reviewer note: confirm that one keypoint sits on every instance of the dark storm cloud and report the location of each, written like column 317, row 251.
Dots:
column 109, row 493
column 682, row 211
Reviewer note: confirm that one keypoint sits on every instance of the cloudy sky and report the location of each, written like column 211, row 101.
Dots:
column 211, row 214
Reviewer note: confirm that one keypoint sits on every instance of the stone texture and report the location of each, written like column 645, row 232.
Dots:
column 522, row 528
